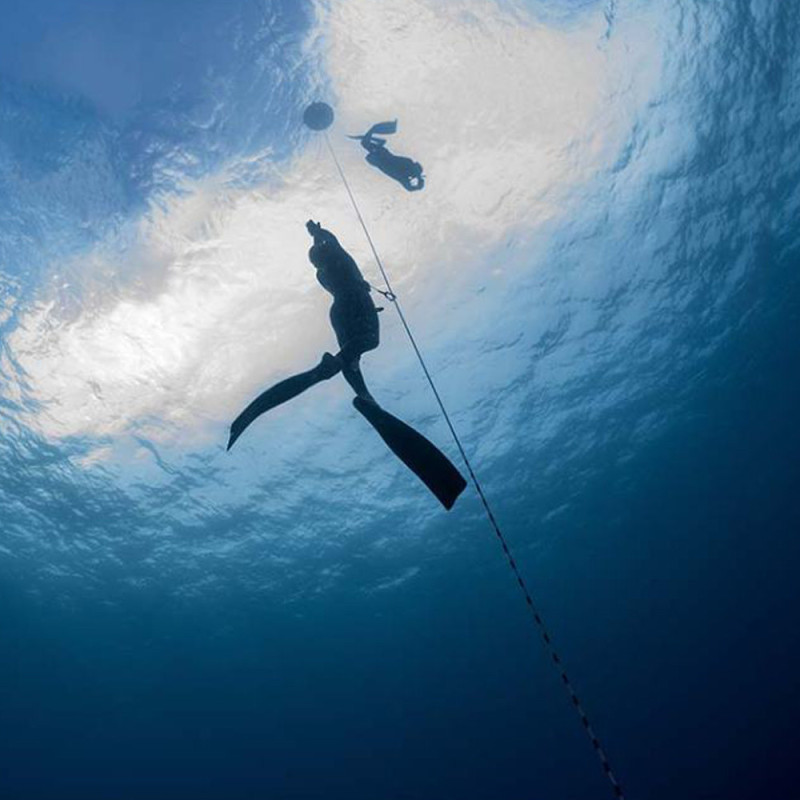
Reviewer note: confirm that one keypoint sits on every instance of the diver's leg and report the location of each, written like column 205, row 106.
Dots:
column 351, row 370
column 283, row 391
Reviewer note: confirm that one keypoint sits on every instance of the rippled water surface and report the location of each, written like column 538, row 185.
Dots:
column 602, row 272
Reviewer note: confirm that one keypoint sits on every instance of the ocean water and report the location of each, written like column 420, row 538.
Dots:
column 602, row 271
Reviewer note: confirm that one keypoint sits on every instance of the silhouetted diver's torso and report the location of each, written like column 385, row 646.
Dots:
column 337, row 271
column 404, row 170
column 353, row 314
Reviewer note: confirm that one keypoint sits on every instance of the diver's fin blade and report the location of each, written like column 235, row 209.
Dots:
column 422, row 457
column 264, row 402
column 248, row 416
column 383, row 128
column 280, row 393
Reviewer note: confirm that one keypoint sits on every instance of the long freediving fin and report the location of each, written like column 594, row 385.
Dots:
column 281, row 392
column 384, row 128
column 250, row 414
column 422, row 457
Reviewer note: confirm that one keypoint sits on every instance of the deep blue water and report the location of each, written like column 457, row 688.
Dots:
column 602, row 270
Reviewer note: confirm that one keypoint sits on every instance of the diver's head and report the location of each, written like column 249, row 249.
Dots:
column 314, row 228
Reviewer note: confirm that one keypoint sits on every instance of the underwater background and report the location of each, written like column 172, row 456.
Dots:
column 602, row 271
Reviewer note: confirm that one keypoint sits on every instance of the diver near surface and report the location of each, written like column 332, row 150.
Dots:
column 354, row 319
column 404, row 170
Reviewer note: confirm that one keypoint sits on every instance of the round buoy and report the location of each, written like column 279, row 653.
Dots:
column 318, row 116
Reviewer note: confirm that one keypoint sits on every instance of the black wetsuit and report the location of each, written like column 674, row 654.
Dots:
column 353, row 315
column 404, row 170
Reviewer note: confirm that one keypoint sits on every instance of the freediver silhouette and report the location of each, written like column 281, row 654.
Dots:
column 404, row 170
column 354, row 319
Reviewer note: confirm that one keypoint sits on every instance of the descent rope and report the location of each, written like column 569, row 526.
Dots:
column 537, row 618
